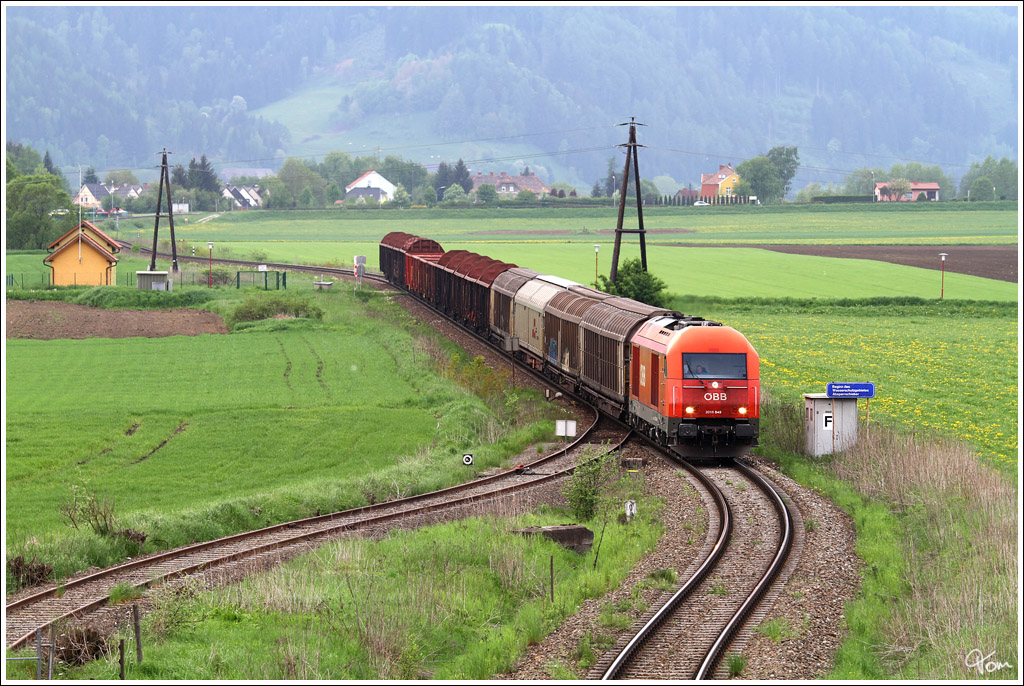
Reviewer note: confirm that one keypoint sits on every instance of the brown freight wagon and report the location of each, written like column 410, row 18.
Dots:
column 476, row 290
column 446, row 283
column 396, row 249
column 607, row 328
column 421, row 271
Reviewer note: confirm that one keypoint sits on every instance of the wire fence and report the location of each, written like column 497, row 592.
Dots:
column 268, row 280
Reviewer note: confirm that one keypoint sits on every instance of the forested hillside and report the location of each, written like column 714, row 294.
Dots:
column 850, row 86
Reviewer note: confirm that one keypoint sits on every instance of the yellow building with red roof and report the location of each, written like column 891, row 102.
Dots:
column 84, row 256
column 719, row 183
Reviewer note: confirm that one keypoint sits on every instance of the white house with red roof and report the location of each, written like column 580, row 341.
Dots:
column 368, row 182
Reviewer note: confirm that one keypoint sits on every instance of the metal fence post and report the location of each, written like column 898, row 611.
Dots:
column 39, row 654
column 53, row 647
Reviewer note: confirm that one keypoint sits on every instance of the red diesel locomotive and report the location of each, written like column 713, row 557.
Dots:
column 685, row 381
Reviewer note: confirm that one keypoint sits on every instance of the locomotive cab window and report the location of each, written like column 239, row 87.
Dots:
column 714, row 366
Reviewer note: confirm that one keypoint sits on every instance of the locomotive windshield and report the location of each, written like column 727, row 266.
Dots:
column 714, row 366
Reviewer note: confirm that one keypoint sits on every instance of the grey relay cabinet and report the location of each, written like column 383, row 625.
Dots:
column 830, row 423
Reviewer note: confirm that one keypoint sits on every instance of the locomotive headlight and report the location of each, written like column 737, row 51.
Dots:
column 690, row 409
column 742, row 410
column 714, row 384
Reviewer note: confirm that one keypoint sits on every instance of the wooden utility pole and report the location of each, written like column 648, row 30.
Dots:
column 631, row 156
column 165, row 183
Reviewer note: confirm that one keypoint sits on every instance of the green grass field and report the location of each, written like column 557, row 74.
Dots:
column 191, row 437
column 455, row 601
column 982, row 223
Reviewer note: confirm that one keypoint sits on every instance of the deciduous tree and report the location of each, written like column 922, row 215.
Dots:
column 402, row 197
column 487, row 193
column 899, row 188
column 632, row 281
column 786, row 160
column 30, row 199
column 454, row 193
column 758, row 176
column 981, row 189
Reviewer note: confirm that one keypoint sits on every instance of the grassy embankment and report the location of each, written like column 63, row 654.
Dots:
column 453, row 601
column 191, row 438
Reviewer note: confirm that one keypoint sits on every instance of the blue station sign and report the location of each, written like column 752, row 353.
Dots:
column 850, row 390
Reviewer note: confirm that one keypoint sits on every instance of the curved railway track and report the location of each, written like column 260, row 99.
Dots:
column 687, row 636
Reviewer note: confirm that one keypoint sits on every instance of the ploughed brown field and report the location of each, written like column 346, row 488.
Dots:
column 46, row 320
column 988, row 261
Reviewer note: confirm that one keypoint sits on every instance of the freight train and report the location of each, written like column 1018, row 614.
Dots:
column 684, row 381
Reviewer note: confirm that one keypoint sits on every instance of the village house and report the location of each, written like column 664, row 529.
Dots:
column 370, row 184
column 687, row 196
column 91, row 196
column 929, row 188
column 243, row 197
column 509, row 186
column 84, row 256
column 721, row 182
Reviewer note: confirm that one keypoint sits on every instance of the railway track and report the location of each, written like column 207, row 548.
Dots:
column 375, row 277
column 688, row 634
column 80, row 596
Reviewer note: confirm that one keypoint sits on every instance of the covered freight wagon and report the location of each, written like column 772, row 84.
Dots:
column 503, row 291
column 396, row 249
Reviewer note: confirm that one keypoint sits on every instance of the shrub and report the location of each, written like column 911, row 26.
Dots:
column 583, row 489
column 257, row 307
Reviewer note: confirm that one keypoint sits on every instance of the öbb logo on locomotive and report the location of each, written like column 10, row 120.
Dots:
column 685, row 381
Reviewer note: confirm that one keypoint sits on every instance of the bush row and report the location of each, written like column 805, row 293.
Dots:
column 116, row 297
